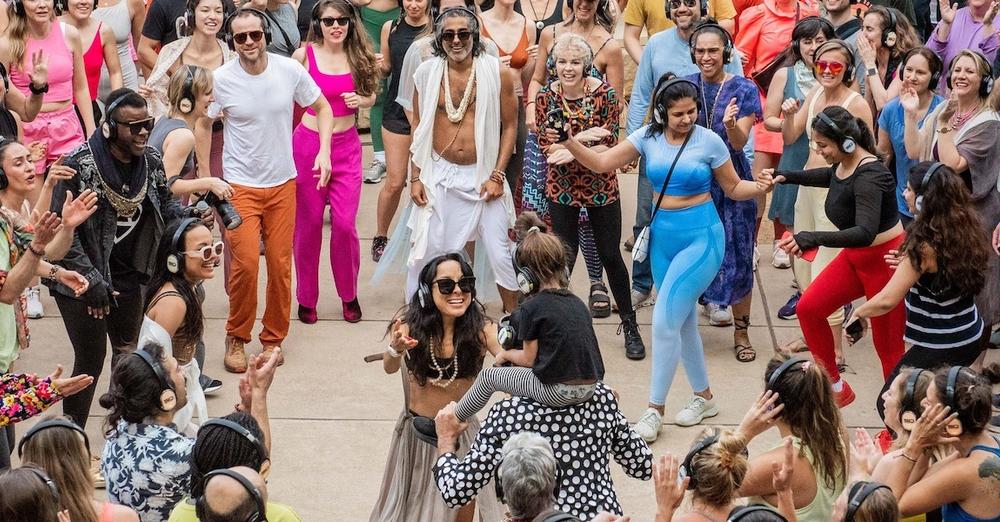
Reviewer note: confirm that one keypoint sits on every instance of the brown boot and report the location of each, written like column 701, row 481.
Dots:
column 236, row 357
column 269, row 351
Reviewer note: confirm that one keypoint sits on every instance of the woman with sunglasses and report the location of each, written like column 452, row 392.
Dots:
column 887, row 38
column 341, row 60
column 861, row 203
column 833, row 68
column 439, row 341
column 963, row 134
column 186, row 257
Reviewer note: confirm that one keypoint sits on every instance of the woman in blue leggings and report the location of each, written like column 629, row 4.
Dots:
column 687, row 241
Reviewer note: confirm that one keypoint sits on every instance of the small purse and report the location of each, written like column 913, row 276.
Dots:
column 640, row 249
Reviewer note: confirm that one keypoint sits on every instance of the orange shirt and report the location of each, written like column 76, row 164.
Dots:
column 765, row 31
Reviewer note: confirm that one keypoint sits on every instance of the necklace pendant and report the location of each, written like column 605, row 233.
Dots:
column 539, row 24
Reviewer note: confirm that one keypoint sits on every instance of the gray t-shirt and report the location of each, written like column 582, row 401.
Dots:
column 284, row 30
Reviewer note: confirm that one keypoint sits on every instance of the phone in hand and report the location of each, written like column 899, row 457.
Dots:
column 806, row 255
column 855, row 329
column 556, row 120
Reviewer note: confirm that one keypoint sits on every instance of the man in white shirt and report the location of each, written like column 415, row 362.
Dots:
column 255, row 96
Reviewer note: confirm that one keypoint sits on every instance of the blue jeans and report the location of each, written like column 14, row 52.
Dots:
column 642, row 275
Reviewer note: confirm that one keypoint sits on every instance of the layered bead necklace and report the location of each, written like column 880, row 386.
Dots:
column 586, row 109
column 455, row 115
column 441, row 371
column 961, row 118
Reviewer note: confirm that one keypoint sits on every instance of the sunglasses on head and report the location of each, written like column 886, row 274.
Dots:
column 205, row 253
column 833, row 67
column 330, row 21
column 466, row 284
column 674, row 4
column 463, row 36
column 255, row 36
column 137, row 126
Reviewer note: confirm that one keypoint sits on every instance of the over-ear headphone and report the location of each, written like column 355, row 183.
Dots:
column 243, row 431
column 227, row 25
column 168, row 398
column 848, row 52
column 424, row 293
column 954, row 427
column 859, row 492
column 780, row 370
column 986, row 78
column 742, row 512
column 919, row 203
column 527, row 281
column 186, row 103
column 845, row 142
column 685, row 469
column 933, row 62
column 19, row 8
column 49, row 483
column 727, row 40
column 796, row 44
column 908, row 406
column 474, row 20
column 889, row 36
column 660, row 110
column 175, row 257
column 109, row 128
column 4, row 143
column 317, row 28
column 259, row 515
column 52, row 423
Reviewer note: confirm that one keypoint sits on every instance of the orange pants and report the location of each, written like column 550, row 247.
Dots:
column 267, row 212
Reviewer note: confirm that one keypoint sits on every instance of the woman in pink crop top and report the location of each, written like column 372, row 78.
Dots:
column 33, row 28
column 98, row 43
column 340, row 57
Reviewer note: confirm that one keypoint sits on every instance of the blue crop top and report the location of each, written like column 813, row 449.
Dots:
column 693, row 174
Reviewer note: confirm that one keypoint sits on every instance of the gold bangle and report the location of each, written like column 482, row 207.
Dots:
column 414, row 180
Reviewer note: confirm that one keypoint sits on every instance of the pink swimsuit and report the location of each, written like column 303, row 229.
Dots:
column 332, row 85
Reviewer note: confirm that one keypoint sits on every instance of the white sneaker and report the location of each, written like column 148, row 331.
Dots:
column 34, row 308
column 756, row 257
column 780, row 258
column 640, row 299
column 375, row 173
column 648, row 426
column 697, row 409
column 718, row 315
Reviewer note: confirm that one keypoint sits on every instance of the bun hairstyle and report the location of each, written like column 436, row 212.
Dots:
column 720, row 467
column 669, row 89
column 812, row 414
column 972, row 398
column 840, row 126
column 135, row 389
column 539, row 250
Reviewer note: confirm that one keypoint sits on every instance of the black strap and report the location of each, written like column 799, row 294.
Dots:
column 669, row 173
column 284, row 35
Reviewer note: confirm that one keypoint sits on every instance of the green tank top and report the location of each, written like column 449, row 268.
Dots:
column 821, row 507
column 374, row 20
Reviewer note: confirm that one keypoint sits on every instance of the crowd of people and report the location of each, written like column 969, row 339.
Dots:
column 145, row 144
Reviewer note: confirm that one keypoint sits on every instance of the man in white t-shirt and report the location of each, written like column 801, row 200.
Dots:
column 254, row 95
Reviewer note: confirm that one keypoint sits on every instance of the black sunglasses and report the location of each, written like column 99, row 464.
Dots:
column 329, row 21
column 241, row 38
column 674, row 4
column 463, row 36
column 137, row 126
column 466, row 284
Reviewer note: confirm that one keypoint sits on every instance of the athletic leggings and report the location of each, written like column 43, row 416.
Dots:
column 685, row 253
column 606, row 223
column 854, row 273
column 517, row 380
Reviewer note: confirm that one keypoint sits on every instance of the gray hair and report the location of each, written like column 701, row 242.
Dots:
column 462, row 12
column 528, row 474
column 571, row 45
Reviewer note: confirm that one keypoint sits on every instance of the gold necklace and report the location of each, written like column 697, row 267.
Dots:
column 456, row 115
column 124, row 206
column 711, row 109
column 437, row 366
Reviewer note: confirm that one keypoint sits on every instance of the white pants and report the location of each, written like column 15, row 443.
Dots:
column 461, row 215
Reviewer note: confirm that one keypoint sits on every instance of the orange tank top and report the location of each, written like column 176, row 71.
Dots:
column 519, row 56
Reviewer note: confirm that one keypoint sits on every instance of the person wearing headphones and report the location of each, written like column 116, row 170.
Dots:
column 861, row 203
column 888, row 38
column 237, row 493
column 867, row 501
column 146, row 460
column 115, row 251
column 964, row 134
column 966, row 28
column 255, row 96
column 30, row 496
column 957, row 410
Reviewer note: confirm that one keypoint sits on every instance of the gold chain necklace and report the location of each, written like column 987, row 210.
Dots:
column 124, row 206
column 711, row 108
column 437, row 366
column 456, row 115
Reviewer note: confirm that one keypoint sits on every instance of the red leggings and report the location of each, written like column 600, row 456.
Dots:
column 855, row 272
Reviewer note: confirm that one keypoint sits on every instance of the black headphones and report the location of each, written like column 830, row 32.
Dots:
column 935, row 64
column 317, row 28
column 527, row 281
column 175, row 257
column 742, row 512
column 227, row 25
column 109, row 128
column 245, row 433
column 685, row 469
column 954, row 427
column 4, row 143
column 824, row 21
column 986, row 79
column 919, row 202
column 49, row 483
column 19, row 8
column 776, row 376
column 52, row 423
column 424, row 293
column 702, row 6
column 889, row 36
column 186, row 103
column 845, row 142
column 848, row 51
column 860, row 491
column 259, row 515
column 727, row 47
column 474, row 28
column 168, row 397
column 908, row 406
column 660, row 110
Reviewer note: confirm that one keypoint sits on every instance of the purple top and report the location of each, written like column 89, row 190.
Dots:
column 965, row 33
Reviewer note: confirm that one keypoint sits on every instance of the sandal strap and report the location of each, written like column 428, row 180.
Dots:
column 741, row 323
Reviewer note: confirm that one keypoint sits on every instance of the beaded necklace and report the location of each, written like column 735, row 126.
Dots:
column 960, row 119
column 456, row 115
column 586, row 109
column 437, row 367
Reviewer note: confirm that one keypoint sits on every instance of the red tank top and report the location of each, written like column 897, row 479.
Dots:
column 93, row 60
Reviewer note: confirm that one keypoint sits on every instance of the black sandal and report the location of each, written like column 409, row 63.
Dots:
column 744, row 352
column 600, row 302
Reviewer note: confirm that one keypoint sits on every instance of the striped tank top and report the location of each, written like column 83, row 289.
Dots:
column 938, row 318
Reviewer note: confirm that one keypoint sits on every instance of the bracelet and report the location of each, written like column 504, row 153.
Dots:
column 393, row 353
column 907, row 457
column 39, row 253
column 53, row 270
column 414, row 180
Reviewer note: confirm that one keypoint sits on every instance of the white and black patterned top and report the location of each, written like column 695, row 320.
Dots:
column 583, row 437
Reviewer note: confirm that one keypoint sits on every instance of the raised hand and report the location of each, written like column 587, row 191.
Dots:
column 781, row 472
column 929, row 429
column 58, row 172
column 399, row 341
column 39, row 73
column 70, row 385
column 991, row 13
column 867, row 52
column 76, row 210
column 864, row 454
column 948, row 11
column 732, row 111
column 45, row 226
column 761, row 415
column 909, row 100
column 949, row 109
column 669, row 490
column 790, row 107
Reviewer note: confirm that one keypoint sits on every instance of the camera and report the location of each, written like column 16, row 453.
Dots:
column 227, row 212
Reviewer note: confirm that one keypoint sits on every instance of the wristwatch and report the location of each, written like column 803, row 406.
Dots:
column 872, row 71
column 944, row 130
column 38, row 90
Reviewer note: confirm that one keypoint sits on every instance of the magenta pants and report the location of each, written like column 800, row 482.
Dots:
column 343, row 194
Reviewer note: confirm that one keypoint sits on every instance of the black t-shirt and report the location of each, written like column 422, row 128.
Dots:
column 124, row 276
column 162, row 20
column 567, row 345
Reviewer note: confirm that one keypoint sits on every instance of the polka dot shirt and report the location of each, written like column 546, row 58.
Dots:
column 584, row 437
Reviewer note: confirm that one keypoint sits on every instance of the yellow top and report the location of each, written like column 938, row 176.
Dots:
column 184, row 511
column 651, row 14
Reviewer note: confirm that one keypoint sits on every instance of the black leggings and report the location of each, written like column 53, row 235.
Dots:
column 930, row 359
column 607, row 224
column 89, row 338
